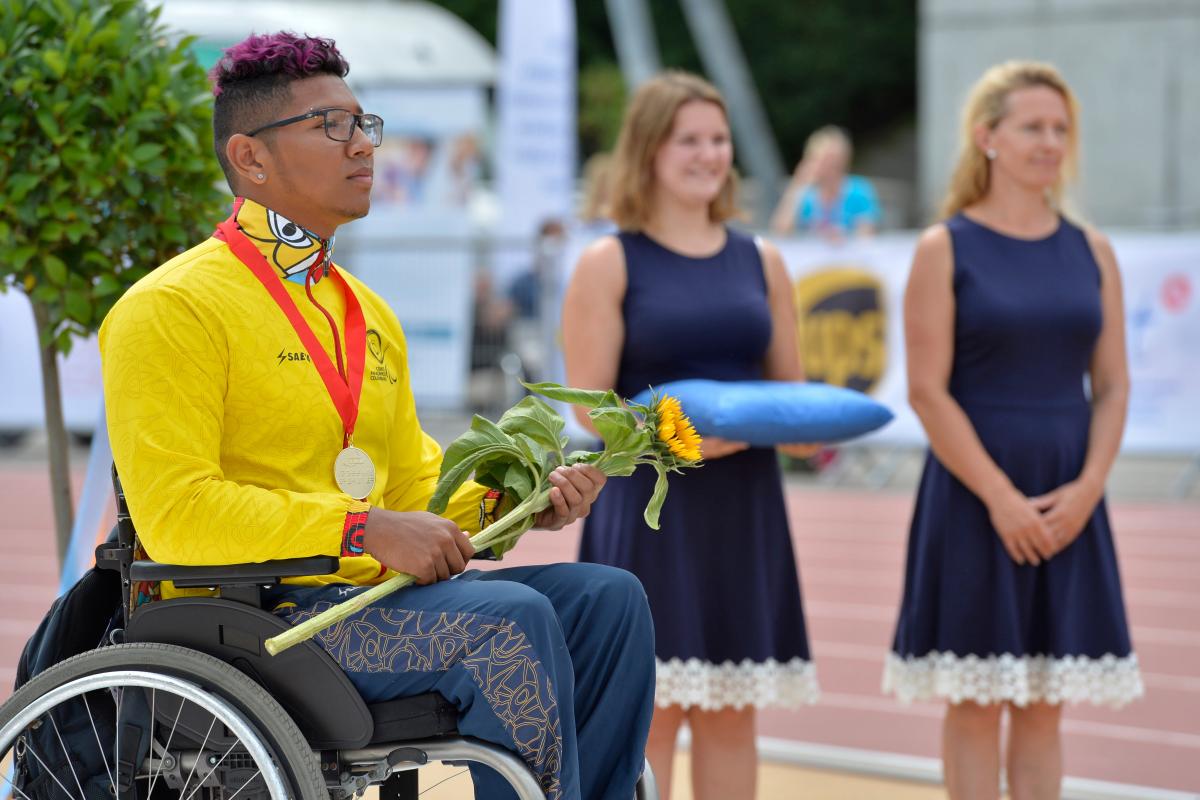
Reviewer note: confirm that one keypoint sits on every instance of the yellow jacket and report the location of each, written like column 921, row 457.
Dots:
column 224, row 434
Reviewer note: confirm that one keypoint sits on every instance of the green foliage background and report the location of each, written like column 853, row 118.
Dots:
column 815, row 62
column 106, row 163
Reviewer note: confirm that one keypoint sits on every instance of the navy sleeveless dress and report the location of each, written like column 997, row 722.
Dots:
column 974, row 625
column 720, row 573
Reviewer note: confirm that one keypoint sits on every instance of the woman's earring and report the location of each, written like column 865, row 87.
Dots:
column 263, row 177
column 990, row 153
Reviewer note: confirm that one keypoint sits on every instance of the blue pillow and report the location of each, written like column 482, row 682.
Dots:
column 766, row 413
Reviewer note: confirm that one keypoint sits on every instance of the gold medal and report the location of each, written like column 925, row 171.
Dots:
column 354, row 473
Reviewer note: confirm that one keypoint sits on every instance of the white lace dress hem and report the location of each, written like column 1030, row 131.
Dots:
column 1106, row 681
column 709, row 686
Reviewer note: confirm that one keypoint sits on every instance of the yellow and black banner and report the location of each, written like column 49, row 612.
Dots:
column 840, row 313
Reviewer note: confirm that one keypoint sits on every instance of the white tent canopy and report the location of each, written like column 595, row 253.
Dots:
column 386, row 43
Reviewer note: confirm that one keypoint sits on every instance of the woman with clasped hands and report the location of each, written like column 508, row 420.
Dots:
column 1012, row 598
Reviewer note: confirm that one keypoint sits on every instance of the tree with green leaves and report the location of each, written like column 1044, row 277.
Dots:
column 814, row 62
column 106, row 171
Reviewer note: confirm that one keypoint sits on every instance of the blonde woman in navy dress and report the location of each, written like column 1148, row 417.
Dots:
column 1012, row 597
column 677, row 294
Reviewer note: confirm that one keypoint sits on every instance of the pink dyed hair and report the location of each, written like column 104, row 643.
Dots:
column 282, row 53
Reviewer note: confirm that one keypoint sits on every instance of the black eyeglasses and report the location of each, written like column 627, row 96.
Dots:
column 339, row 124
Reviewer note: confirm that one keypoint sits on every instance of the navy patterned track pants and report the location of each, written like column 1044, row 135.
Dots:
column 555, row 663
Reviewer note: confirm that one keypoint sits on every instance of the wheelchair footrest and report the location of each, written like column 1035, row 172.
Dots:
column 407, row 755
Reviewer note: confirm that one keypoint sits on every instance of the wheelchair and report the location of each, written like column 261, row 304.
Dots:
column 184, row 702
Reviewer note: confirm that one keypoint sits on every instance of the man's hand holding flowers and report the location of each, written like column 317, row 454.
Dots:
column 575, row 489
column 521, row 455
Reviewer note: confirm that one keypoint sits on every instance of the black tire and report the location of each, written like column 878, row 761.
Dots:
column 269, row 720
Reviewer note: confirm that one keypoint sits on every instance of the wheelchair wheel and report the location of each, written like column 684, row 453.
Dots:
column 152, row 721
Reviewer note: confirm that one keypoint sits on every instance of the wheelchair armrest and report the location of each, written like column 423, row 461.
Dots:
column 267, row 573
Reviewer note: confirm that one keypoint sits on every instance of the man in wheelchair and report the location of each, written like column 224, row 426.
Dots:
column 259, row 408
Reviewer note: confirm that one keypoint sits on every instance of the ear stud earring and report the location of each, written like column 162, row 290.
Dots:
column 990, row 153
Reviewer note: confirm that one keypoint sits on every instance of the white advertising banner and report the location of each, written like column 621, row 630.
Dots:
column 21, row 373
column 1162, row 321
column 851, row 301
column 535, row 129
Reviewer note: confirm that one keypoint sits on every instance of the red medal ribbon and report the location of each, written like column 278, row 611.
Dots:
column 344, row 389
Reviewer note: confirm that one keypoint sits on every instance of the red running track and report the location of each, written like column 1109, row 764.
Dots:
column 850, row 552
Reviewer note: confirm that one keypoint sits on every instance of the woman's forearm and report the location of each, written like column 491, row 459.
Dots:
column 954, row 441
column 1104, row 436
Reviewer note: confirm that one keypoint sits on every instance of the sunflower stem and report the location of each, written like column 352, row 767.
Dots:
column 491, row 535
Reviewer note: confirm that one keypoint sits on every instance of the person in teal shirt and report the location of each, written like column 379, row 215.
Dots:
column 822, row 198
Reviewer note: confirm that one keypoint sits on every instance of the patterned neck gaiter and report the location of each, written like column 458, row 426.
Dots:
column 289, row 248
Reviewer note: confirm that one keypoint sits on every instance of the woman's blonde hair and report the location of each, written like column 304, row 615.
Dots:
column 825, row 136
column 647, row 124
column 987, row 104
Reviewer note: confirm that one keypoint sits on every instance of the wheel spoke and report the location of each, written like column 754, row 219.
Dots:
column 199, row 754
column 166, row 750
column 107, row 676
column 220, row 760
column 99, row 746
column 29, row 749
column 11, row 770
column 443, row 780
column 70, row 761
column 120, row 696
column 244, row 785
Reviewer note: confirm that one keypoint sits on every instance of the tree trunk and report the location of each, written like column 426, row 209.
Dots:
column 723, row 58
column 56, row 432
column 633, row 33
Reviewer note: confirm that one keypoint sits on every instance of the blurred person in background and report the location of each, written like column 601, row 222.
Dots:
column 678, row 294
column 531, row 293
column 1012, row 597
column 822, row 198
column 597, row 190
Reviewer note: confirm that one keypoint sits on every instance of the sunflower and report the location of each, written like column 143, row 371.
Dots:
column 676, row 430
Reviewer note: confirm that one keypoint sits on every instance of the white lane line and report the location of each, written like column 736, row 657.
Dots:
column 1077, row 727
column 897, row 766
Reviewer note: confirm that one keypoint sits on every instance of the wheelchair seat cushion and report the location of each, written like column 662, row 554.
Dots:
column 422, row 716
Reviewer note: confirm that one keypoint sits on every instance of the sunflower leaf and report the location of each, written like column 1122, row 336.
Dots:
column 654, row 507
column 582, row 457
column 518, row 480
column 477, row 449
column 588, row 398
column 534, row 418
column 620, row 430
column 619, row 464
